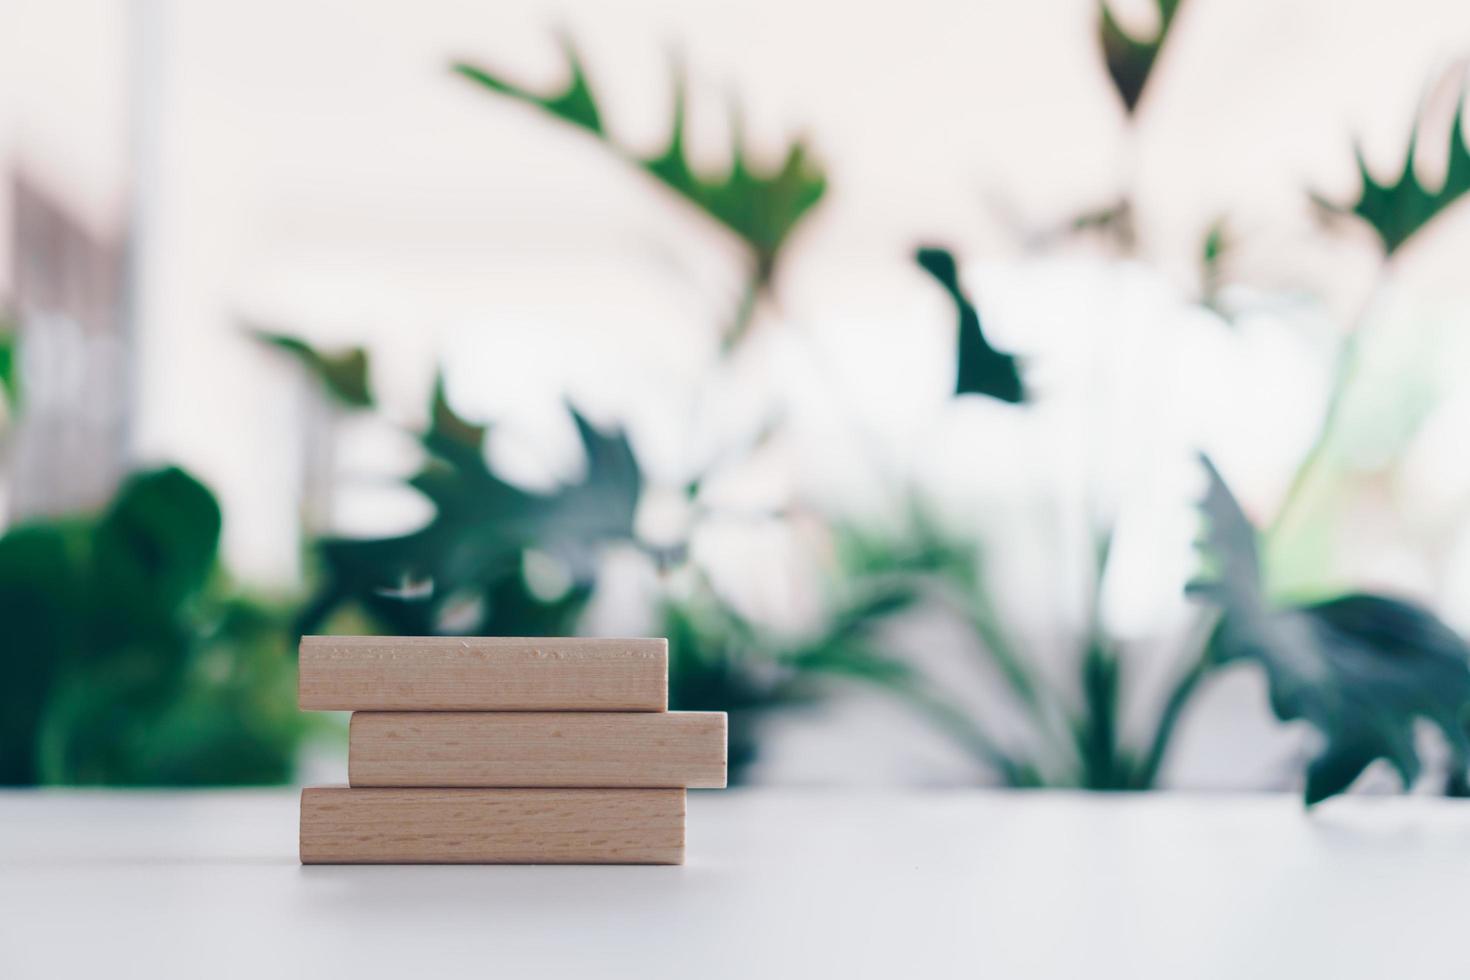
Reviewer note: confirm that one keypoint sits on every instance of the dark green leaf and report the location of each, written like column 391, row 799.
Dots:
column 982, row 370
column 157, row 541
column 470, row 555
column 719, row 662
column 1131, row 60
column 344, row 373
column 448, row 432
column 122, row 664
column 41, row 592
column 1106, row 763
column 1397, row 211
column 1359, row 668
column 760, row 206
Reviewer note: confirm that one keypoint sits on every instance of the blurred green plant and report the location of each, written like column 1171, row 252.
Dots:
column 760, row 208
column 131, row 662
column 1070, row 741
column 344, row 373
column 9, row 363
column 1130, row 60
column 127, row 662
column 1360, row 668
column 1399, row 210
column 1398, row 214
column 465, row 571
column 981, row 370
column 473, row 568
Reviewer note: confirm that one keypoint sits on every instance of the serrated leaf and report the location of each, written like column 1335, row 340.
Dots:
column 574, row 104
column 447, row 427
column 482, row 527
column 980, row 369
column 344, row 373
column 1130, row 60
column 1360, row 668
column 761, row 207
column 1397, row 211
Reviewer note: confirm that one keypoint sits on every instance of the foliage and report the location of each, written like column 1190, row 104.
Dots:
column 128, row 662
column 1360, row 668
column 982, row 370
column 720, row 662
column 1399, row 210
column 1075, row 739
column 466, row 571
column 467, row 562
column 759, row 207
column 125, row 664
column 1131, row 61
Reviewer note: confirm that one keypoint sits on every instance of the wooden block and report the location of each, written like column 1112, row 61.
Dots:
column 491, row 826
column 464, row 673
column 425, row 748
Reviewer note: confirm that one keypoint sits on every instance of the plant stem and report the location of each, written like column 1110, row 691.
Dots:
column 1349, row 361
column 1347, row 366
column 1179, row 698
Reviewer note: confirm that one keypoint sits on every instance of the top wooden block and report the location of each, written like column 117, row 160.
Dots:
column 478, row 673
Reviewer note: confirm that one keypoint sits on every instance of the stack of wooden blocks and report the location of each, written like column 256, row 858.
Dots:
column 497, row 750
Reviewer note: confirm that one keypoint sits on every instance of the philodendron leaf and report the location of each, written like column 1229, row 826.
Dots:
column 981, row 370
column 447, row 428
column 1360, row 668
column 473, row 549
column 1130, row 61
column 1397, row 211
column 343, row 373
column 761, row 206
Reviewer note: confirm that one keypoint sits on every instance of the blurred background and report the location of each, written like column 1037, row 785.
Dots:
column 868, row 352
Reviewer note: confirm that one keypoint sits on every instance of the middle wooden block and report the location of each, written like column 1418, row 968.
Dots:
column 651, row 750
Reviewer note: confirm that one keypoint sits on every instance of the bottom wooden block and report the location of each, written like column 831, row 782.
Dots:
column 491, row 826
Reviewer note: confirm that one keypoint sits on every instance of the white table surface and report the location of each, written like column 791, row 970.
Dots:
column 778, row 883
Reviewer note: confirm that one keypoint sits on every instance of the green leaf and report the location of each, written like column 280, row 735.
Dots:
column 9, row 363
column 760, row 206
column 575, row 104
column 1106, row 764
column 157, row 541
column 123, row 664
column 472, row 551
column 41, row 589
column 1397, row 211
column 982, row 370
column 1360, row 668
column 1130, row 60
column 344, row 373
column 720, row 662
column 448, row 432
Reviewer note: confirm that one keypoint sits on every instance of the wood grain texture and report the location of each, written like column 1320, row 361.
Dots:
column 492, row 826
column 462, row 673
column 654, row 749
